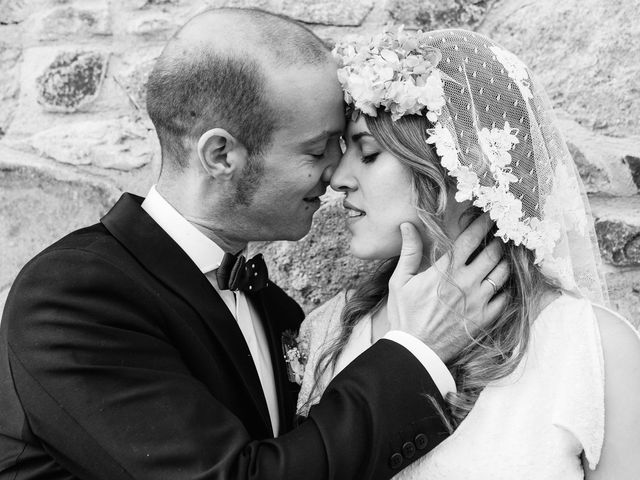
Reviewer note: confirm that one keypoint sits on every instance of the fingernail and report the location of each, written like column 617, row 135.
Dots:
column 404, row 228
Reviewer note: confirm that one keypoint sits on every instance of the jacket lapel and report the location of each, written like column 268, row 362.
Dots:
column 164, row 259
column 268, row 309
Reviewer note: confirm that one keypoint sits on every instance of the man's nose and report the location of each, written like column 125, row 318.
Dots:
column 328, row 173
column 333, row 158
column 342, row 180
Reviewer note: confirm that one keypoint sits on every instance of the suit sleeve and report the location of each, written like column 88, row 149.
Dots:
column 109, row 396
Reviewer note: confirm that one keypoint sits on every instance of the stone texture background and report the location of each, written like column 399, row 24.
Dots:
column 74, row 134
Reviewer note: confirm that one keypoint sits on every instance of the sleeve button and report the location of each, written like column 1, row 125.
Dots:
column 421, row 441
column 395, row 461
column 408, row 450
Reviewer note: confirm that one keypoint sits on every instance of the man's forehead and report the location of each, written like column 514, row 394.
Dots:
column 311, row 127
column 322, row 136
column 309, row 102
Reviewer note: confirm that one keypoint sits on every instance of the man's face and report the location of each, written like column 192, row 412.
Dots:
column 297, row 166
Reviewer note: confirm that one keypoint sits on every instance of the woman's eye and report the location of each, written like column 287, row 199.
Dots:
column 369, row 158
column 318, row 156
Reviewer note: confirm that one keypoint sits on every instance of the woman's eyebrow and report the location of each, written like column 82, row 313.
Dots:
column 357, row 136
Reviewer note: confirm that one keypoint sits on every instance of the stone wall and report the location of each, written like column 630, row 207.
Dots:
column 74, row 134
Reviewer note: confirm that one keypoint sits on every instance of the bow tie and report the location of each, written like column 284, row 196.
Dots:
column 236, row 273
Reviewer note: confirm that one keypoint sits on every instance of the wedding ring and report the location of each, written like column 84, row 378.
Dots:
column 493, row 284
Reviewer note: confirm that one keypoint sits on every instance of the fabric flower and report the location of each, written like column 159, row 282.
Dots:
column 295, row 356
column 467, row 184
column 445, row 147
column 516, row 70
column 396, row 71
column 496, row 144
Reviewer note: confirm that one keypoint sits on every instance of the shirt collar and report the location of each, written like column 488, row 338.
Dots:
column 203, row 251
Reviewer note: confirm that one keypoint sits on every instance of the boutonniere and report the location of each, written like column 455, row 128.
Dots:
column 295, row 356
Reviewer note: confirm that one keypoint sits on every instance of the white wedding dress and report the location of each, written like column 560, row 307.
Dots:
column 533, row 424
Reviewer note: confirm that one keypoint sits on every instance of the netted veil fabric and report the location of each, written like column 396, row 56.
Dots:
column 494, row 131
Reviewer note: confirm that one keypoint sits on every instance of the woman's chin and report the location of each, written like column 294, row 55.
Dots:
column 370, row 252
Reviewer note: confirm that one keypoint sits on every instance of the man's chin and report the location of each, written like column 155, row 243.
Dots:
column 292, row 234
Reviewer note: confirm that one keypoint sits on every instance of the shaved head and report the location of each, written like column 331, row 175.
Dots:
column 216, row 71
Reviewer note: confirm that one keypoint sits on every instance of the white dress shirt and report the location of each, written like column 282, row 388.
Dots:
column 207, row 256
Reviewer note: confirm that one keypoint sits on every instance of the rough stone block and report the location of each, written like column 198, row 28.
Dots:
column 153, row 25
column 152, row 3
column 321, row 12
column 432, row 14
column 3, row 299
column 328, row 12
column 634, row 167
column 577, row 48
column 134, row 77
column 36, row 209
column 9, row 84
column 70, row 21
column 13, row 11
column 617, row 223
column 624, row 293
column 117, row 144
column 268, row 5
column 601, row 159
column 72, row 81
column 317, row 267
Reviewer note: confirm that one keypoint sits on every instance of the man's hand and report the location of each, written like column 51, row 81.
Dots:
column 445, row 313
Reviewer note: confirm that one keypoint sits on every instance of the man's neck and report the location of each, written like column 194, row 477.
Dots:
column 225, row 243
column 189, row 206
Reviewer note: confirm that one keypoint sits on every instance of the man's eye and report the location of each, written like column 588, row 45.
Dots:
column 369, row 158
column 319, row 156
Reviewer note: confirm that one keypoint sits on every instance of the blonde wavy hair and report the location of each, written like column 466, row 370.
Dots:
column 498, row 349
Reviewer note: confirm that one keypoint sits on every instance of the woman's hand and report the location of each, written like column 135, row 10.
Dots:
column 445, row 313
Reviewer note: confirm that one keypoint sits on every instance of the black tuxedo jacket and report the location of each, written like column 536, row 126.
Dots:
column 118, row 360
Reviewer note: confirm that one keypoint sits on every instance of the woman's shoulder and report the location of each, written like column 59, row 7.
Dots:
column 325, row 317
column 317, row 331
column 570, row 313
column 328, row 309
column 577, row 333
column 336, row 302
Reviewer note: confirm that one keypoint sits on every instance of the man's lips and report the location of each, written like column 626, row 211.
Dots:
column 352, row 211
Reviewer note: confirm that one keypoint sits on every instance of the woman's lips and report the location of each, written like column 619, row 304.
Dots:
column 352, row 211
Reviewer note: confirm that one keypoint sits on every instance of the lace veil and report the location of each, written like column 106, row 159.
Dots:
column 494, row 131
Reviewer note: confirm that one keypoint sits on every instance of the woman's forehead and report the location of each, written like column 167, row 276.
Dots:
column 357, row 126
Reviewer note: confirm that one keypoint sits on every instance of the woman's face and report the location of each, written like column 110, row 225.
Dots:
column 379, row 194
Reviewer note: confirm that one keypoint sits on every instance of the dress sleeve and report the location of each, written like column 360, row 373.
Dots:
column 579, row 379
column 317, row 331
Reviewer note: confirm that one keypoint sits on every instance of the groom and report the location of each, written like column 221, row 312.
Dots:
column 128, row 351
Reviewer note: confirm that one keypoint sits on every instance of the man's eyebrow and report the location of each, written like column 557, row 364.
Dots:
column 357, row 136
column 323, row 136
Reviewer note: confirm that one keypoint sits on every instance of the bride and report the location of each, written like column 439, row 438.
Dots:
column 446, row 125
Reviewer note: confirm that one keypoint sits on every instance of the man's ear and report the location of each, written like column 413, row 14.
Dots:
column 220, row 153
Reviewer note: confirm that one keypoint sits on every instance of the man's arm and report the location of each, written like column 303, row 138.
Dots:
column 110, row 396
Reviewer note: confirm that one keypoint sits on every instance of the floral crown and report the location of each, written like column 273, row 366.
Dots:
column 398, row 71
